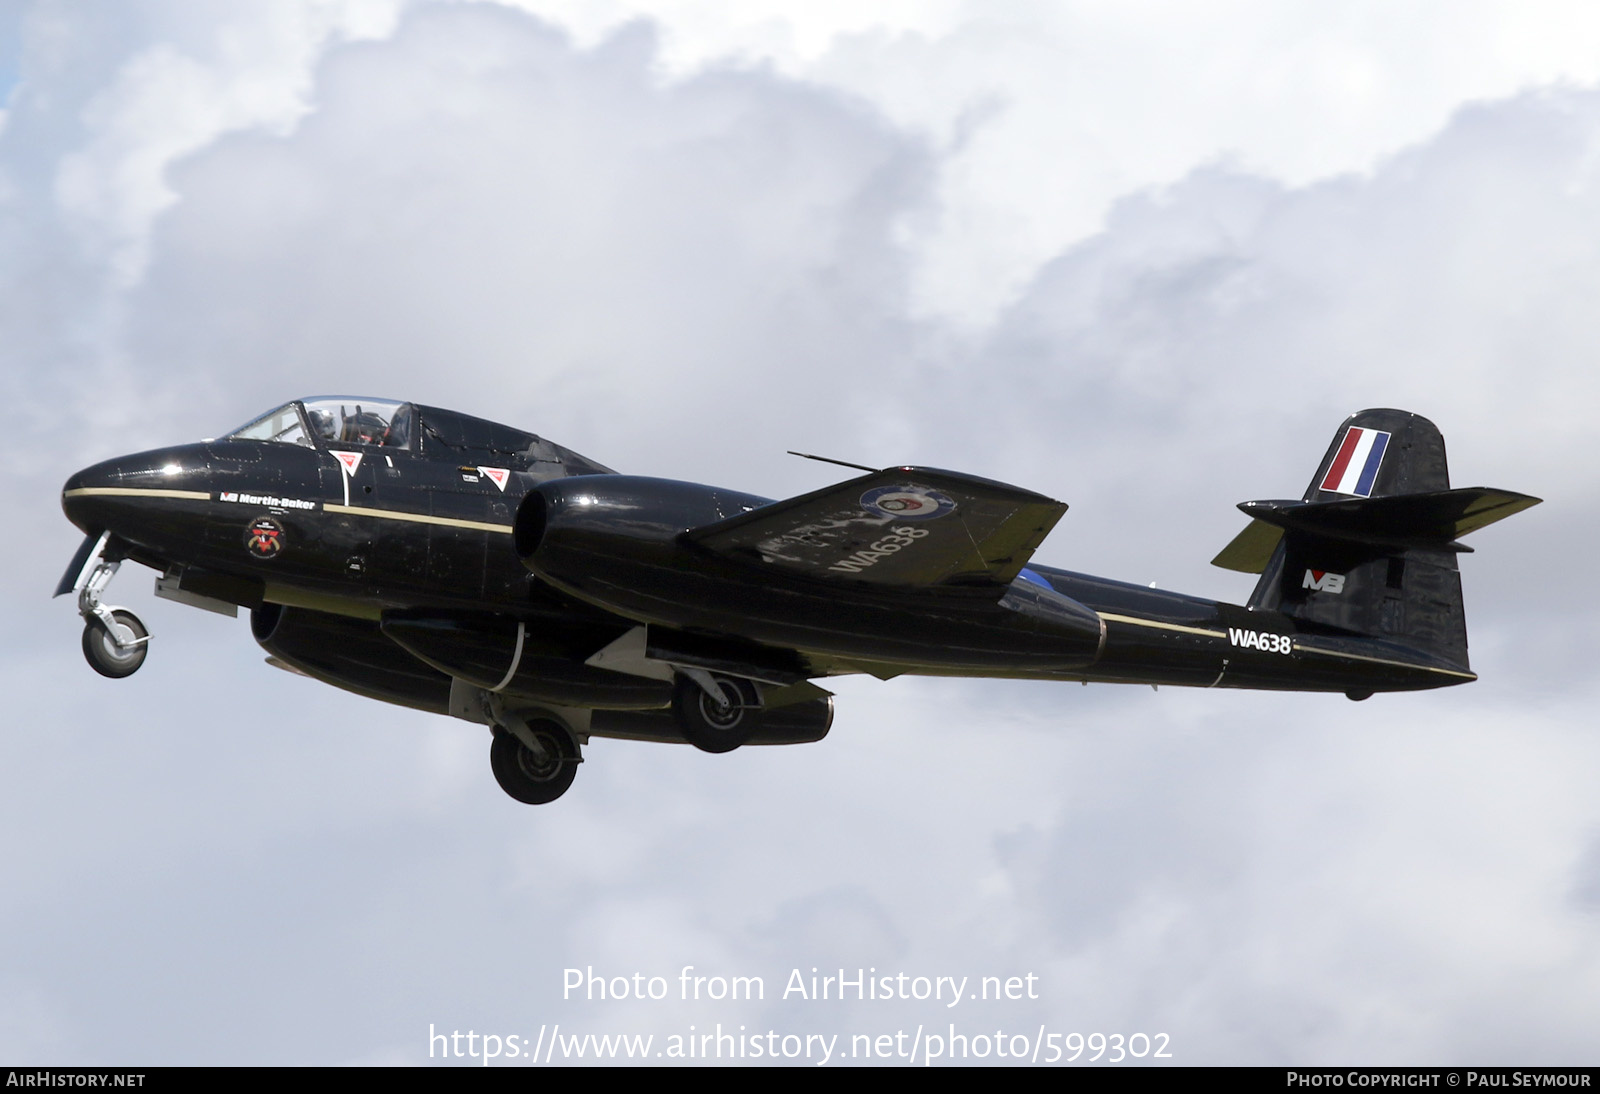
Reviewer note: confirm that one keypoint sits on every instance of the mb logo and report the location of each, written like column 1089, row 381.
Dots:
column 1323, row 582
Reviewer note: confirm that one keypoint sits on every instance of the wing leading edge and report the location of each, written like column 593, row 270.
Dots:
column 902, row 527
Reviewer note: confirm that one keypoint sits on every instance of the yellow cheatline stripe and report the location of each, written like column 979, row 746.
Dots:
column 128, row 491
column 1137, row 622
column 1386, row 661
column 418, row 518
column 353, row 510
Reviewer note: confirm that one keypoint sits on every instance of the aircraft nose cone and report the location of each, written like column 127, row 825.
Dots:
column 83, row 498
column 157, row 501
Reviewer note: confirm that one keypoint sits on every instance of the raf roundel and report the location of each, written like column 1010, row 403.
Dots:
column 907, row 502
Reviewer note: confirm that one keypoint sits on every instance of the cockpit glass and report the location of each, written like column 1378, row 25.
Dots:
column 360, row 421
column 334, row 421
column 282, row 425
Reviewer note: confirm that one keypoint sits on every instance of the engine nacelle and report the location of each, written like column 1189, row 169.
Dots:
column 618, row 543
column 348, row 653
column 537, row 660
column 795, row 724
column 563, row 525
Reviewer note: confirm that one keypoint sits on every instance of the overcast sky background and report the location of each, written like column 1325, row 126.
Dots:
column 1141, row 257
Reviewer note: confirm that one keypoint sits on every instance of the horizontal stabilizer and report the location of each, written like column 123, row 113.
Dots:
column 1433, row 519
column 903, row 527
column 1250, row 550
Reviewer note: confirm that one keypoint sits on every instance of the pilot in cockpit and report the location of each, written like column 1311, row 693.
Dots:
column 322, row 424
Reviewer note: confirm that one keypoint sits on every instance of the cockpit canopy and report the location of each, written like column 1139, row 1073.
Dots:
column 426, row 431
column 335, row 420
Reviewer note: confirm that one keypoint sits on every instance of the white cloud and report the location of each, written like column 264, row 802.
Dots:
column 251, row 70
column 1053, row 112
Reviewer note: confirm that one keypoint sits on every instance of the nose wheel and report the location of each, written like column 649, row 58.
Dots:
column 115, row 649
column 115, row 642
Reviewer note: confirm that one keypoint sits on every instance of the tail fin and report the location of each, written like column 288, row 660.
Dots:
column 1370, row 549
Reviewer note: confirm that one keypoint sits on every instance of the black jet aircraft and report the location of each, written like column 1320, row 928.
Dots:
column 450, row 564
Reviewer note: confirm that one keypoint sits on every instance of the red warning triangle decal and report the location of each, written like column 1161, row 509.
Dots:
column 349, row 461
column 498, row 474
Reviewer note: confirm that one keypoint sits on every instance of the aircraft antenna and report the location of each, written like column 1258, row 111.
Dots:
column 826, row 459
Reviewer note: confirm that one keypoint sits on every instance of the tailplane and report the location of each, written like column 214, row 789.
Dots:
column 1370, row 548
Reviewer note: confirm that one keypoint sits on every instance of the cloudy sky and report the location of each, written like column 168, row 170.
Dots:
column 1141, row 257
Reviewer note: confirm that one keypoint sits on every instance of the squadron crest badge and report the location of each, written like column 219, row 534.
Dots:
column 264, row 538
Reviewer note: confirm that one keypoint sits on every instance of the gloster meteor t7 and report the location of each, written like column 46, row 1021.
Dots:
column 443, row 562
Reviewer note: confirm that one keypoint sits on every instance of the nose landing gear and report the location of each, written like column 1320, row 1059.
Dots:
column 114, row 640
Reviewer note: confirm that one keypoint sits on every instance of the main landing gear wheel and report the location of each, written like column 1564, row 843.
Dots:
column 719, row 724
column 117, row 651
column 535, row 778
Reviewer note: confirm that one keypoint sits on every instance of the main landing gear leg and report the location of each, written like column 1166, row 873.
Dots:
column 534, row 760
column 114, row 640
column 715, row 713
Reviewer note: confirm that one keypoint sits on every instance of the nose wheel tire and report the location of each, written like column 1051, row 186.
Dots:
column 535, row 778
column 719, row 724
column 116, row 652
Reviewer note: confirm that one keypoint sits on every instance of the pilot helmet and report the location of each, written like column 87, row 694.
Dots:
column 322, row 424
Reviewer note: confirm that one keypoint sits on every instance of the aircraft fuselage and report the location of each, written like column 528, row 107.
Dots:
column 416, row 555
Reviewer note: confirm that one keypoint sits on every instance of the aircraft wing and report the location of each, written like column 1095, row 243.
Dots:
column 903, row 527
